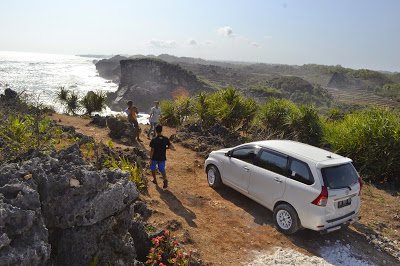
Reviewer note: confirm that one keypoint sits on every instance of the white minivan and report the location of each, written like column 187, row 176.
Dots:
column 304, row 186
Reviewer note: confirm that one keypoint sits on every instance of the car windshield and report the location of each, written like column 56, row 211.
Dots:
column 339, row 176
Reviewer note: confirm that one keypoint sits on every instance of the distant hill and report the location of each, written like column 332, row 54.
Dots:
column 258, row 79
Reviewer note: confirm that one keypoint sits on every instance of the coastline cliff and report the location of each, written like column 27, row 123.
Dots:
column 147, row 80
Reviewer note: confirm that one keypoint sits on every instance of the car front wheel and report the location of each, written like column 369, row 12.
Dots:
column 213, row 177
column 286, row 219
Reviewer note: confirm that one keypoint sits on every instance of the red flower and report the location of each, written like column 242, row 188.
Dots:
column 166, row 233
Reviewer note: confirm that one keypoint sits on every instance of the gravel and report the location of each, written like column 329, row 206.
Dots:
column 335, row 253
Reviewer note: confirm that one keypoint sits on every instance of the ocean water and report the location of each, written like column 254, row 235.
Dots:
column 39, row 77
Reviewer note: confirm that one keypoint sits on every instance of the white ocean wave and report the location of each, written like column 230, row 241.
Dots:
column 40, row 76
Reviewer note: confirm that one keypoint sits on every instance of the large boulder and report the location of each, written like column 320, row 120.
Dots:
column 118, row 128
column 59, row 203
column 23, row 234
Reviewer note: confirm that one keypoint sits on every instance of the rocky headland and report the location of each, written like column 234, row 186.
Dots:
column 147, row 80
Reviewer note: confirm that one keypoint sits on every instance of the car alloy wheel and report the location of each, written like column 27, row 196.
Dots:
column 211, row 176
column 284, row 219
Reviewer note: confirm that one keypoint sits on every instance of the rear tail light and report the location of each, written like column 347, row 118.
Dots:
column 322, row 198
column 361, row 184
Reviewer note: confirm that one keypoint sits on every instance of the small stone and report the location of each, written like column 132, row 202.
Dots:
column 28, row 176
column 73, row 182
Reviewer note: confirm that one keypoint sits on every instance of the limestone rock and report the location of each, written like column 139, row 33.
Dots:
column 46, row 221
column 145, row 80
column 23, row 234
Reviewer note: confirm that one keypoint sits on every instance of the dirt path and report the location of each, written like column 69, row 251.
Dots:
column 223, row 227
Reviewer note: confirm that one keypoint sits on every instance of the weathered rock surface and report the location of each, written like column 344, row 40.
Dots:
column 47, row 219
column 147, row 80
column 99, row 121
column 197, row 138
column 23, row 234
column 110, row 68
column 119, row 129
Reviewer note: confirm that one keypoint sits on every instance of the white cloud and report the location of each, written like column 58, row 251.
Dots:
column 191, row 42
column 226, row 31
column 161, row 43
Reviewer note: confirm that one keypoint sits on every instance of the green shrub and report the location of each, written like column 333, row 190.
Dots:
column 183, row 106
column 335, row 114
column 62, row 95
column 23, row 133
column 93, row 102
column 200, row 109
column 134, row 169
column 232, row 110
column 370, row 137
column 307, row 125
column 169, row 115
column 276, row 115
column 281, row 118
column 72, row 103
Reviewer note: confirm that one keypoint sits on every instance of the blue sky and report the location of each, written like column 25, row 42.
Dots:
column 352, row 33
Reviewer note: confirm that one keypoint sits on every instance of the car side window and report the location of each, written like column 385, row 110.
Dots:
column 273, row 162
column 247, row 154
column 300, row 171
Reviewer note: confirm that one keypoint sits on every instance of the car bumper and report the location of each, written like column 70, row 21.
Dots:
column 316, row 219
column 342, row 225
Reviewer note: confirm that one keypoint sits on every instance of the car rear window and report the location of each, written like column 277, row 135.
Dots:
column 339, row 176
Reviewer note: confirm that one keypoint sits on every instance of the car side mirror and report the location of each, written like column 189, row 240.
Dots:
column 228, row 153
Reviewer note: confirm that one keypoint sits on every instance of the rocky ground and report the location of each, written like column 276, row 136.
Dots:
column 225, row 228
column 60, row 208
column 203, row 141
column 57, row 209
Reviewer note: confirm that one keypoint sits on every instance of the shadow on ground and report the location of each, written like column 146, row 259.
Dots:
column 262, row 216
column 175, row 205
column 310, row 240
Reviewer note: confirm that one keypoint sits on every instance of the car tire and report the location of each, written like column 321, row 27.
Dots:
column 213, row 177
column 286, row 219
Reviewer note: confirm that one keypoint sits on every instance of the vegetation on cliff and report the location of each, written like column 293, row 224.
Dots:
column 371, row 136
column 265, row 80
column 91, row 102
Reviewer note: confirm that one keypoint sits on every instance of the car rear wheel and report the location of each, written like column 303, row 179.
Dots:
column 286, row 219
column 213, row 177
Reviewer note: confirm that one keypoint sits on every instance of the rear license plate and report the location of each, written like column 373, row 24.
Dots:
column 344, row 203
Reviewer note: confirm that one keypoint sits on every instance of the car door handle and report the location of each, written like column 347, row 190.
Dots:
column 246, row 168
column 277, row 179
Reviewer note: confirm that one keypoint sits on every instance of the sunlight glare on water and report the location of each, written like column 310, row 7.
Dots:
column 41, row 75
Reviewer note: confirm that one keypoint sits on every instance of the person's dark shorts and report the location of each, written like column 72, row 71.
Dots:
column 157, row 164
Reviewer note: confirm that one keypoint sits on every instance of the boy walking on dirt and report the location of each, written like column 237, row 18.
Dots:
column 158, row 156
column 132, row 113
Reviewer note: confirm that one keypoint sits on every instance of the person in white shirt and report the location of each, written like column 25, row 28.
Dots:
column 154, row 118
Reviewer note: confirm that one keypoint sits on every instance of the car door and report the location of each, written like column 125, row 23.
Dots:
column 239, row 166
column 267, row 183
column 300, row 190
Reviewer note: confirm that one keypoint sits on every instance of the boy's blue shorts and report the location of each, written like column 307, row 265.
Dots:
column 161, row 166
